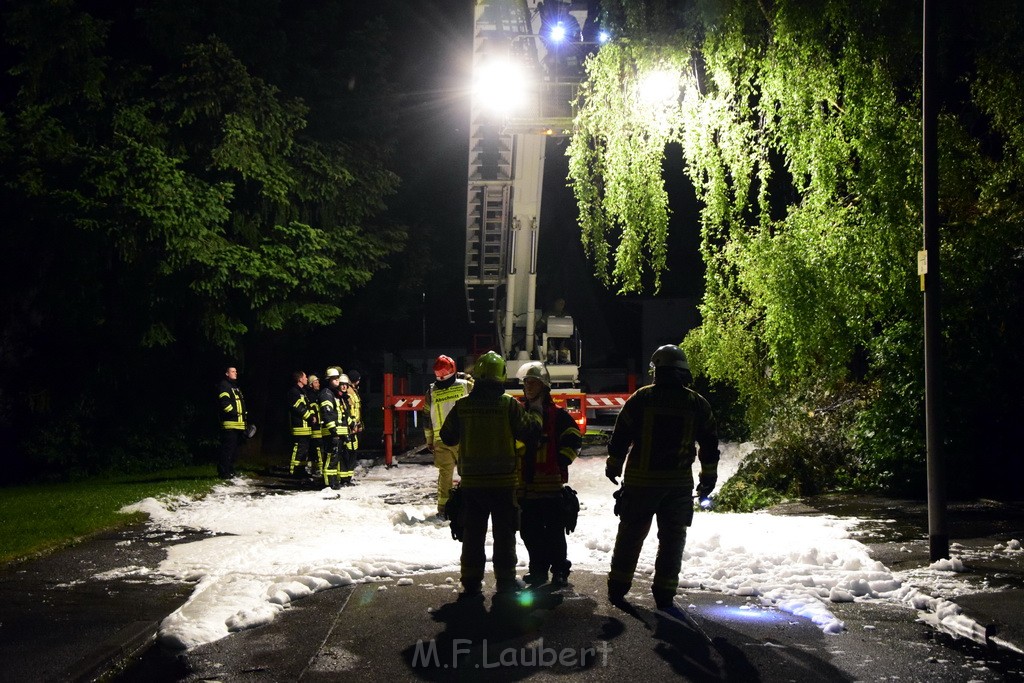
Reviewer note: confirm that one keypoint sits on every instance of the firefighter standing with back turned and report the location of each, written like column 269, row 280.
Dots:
column 546, row 463
column 440, row 398
column 485, row 425
column 654, row 438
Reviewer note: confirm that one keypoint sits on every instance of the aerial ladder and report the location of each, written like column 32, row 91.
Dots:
column 527, row 64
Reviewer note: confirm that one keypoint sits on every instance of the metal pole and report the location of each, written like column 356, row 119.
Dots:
column 938, row 536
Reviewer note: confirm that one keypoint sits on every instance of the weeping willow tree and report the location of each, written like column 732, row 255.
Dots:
column 799, row 124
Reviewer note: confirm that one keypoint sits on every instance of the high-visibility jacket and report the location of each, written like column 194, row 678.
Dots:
column 346, row 424
column 485, row 425
column 232, row 405
column 546, row 459
column 355, row 403
column 658, row 428
column 299, row 411
column 438, row 402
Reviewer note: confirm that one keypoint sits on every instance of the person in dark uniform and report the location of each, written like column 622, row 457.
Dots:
column 546, row 463
column 233, row 422
column 655, row 438
column 330, row 424
column 299, row 414
column 316, row 455
column 485, row 425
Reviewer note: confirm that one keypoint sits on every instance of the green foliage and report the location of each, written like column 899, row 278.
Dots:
column 167, row 205
column 800, row 127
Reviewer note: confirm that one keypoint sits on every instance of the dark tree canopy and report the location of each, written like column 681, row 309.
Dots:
column 182, row 181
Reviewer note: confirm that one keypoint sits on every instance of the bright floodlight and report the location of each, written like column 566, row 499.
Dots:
column 603, row 37
column 659, row 88
column 558, row 32
column 500, row 86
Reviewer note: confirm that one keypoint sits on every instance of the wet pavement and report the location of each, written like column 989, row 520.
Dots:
column 59, row 622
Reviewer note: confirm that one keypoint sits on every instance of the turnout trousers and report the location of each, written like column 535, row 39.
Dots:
column 499, row 505
column 445, row 458
column 543, row 532
column 229, row 441
column 638, row 505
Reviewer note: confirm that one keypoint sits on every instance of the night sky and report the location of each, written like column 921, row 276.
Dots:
column 431, row 48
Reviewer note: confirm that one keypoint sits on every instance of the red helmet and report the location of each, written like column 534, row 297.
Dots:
column 444, row 367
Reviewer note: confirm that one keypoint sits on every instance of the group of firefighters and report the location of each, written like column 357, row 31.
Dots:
column 513, row 455
column 326, row 419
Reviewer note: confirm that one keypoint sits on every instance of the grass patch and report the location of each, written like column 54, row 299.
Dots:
column 42, row 518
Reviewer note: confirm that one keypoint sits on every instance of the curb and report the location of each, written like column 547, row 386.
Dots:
column 113, row 653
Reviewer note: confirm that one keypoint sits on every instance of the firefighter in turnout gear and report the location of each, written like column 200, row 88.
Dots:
column 484, row 425
column 299, row 415
column 233, row 422
column 545, row 471
column 316, row 453
column 346, row 433
column 654, row 438
column 440, row 398
column 330, row 414
column 356, row 402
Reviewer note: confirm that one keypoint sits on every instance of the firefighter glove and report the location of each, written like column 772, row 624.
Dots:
column 706, row 485
column 612, row 473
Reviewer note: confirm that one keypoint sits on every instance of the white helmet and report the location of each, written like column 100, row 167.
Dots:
column 332, row 372
column 343, row 379
column 535, row 369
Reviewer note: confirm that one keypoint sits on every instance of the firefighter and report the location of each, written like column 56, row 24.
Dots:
column 315, row 466
column 654, row 438
column 299, row 414
column 346, row 433
column 440, row 398
column 484, row 425
column 356, row 402
column 233, row 419
column 545, row 471
column 330, row 409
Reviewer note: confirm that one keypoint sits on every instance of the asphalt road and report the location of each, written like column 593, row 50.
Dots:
column 58, row 622
column 423, row 632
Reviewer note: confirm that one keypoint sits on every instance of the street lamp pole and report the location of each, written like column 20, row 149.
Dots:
column 928, row 269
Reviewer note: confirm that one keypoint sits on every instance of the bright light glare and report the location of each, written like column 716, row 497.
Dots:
column 603, row 37
column 500, row 86
column 558, row 32
column 659, row 88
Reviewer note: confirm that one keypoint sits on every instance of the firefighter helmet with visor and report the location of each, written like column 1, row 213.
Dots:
column 537, row 370
column 444, row 367
column 490, row 366
column 669, row 356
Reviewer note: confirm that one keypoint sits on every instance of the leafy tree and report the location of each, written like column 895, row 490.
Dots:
column 800, row 129
column 166, row 206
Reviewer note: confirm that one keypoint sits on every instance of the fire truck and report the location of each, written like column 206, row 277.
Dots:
column 527, row 64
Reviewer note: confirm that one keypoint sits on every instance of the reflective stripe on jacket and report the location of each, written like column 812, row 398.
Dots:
column 485, row 425
column 328, row 412
column 299, row 411
column 232, row 405
column 438, row 403
column 657, row 428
